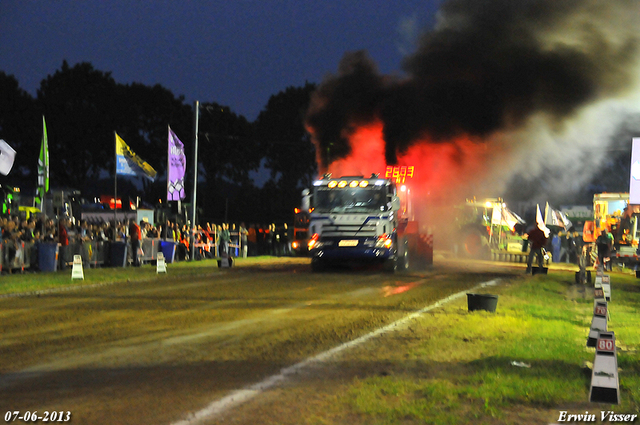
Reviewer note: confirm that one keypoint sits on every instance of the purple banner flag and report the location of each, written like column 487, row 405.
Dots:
column 176, row 168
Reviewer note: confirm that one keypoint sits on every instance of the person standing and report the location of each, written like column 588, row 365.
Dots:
column 566, row 247
column 135, row 234
column 556, row 247
column 225, row 239
column 537, row 241
column 603, row 244
column 235, row 240
column 284, row 240
column 260, row 239
column 252, row 239
column 243, row 233
column 268, row 240
column 612, row 249
column 577, row 248
column 63, row 240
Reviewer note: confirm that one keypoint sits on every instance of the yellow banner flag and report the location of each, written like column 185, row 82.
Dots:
column 130, row 164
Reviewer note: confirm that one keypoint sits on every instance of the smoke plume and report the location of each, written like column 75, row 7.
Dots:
column 496, row 89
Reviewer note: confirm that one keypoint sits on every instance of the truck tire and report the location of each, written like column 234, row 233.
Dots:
column 317, row 265
column 404, row 262
column 476, row 245
column 390, row 265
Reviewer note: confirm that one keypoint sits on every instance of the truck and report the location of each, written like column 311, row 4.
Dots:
column 613, row 213
column 489, row 230
column 358, row 220
column 300, row 240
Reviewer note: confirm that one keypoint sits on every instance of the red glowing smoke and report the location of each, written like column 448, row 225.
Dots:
column 484, row 73
column 440, row 170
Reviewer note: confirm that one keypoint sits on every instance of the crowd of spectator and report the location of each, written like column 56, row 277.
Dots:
column 211, row 240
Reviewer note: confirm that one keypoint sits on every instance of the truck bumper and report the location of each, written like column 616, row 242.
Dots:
column 351, row 254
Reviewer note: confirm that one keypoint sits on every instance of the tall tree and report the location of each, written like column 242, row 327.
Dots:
column 20, row 126
column 289, row 153
column 228, row 152
column 80, row 105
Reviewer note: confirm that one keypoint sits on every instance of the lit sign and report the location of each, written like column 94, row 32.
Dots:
column 399, row 173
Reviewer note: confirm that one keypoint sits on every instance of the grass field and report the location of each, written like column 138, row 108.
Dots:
column 32, row 282
column 524, row 364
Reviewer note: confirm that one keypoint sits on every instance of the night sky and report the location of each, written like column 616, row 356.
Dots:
column 236, row 53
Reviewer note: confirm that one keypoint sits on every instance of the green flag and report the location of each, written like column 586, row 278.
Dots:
column 43, row 169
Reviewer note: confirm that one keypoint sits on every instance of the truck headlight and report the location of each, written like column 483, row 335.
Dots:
column 384, row 241
column 313, row 242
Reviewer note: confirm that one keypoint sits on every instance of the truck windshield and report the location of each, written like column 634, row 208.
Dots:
column 368, row 199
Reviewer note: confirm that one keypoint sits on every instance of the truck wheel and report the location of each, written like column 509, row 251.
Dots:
column 316, row 265
column 390, row 265
column 476, row 245
column 403, row 261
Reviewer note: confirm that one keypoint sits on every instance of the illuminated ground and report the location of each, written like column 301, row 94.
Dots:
column 151, row 352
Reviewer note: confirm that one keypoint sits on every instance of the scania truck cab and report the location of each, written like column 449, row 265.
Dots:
column 357, row 220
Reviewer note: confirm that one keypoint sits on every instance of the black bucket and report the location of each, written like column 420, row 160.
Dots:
column 482, row 302
column 538, row 270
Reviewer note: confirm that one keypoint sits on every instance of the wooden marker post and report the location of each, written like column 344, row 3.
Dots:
column 161, row 266
column 76, row 271
column 605, row 387
column 606, row 287
column 598, row 323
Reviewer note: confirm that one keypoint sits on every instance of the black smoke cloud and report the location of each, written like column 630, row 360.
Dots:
column 486, row 66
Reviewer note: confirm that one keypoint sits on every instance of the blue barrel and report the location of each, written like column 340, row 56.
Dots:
column 118, row 254
column 168, row 249
column 48, row 257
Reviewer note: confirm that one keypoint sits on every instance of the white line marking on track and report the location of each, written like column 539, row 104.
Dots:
column 238, row 397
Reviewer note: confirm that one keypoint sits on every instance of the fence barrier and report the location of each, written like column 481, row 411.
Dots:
column 16, row 256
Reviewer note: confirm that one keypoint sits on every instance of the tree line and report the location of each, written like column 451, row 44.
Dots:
column 83, row 107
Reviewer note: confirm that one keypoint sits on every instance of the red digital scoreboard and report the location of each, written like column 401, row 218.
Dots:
column 399, row 172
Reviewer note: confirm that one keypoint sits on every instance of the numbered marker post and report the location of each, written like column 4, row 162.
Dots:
column 598, row 292
column 606, row 287
column 605, row 387
column 76, row 271
column 161, row 266
column 598, row 323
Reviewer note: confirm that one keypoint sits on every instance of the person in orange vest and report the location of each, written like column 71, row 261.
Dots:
column 252, row 239
column 184, row 240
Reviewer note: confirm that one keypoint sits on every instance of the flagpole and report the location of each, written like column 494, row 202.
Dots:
column 42, row 185
column 115, row 186
column 196, row 107
column 546, row 212
column 43, row 203
column 168, row 159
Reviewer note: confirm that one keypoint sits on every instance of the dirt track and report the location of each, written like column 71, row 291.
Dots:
column 151, row 352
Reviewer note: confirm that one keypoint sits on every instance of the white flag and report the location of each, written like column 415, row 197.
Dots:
column 540, row 222
column 7, row 156
column 556, row 218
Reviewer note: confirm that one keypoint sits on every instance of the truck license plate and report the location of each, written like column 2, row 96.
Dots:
column 348, row 242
